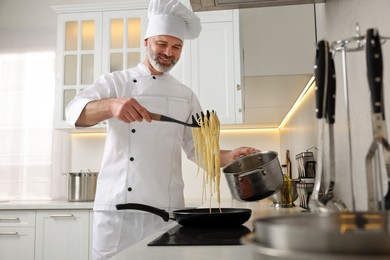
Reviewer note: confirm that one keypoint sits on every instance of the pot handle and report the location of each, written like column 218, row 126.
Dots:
column 160, row 212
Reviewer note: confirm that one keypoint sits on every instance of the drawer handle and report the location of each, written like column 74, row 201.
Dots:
column 62, row 216
column 9, row 234
column 10, row 219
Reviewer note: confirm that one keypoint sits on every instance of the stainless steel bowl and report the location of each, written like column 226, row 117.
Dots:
column 279, row 199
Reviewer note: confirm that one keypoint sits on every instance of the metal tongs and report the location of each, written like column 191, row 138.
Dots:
column 325, row 110
column 380, row 145
column 194, row 123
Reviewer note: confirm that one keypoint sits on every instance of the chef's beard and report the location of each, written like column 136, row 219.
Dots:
column 153, row 60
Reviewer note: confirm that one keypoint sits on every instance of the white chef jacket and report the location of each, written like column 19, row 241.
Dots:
column 142, row 161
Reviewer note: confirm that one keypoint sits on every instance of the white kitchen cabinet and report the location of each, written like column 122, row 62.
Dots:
column 17, row 234
column 62, row 234
column 216, row 65
column 78, row 57
column 95, row 39
column 92, row 40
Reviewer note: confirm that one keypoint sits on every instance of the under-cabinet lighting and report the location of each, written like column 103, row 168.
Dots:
column 89, row 134
column 297, row 102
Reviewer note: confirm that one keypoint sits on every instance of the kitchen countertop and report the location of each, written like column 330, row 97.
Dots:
column 142, row 251
column 43, row 204
column 259, row 209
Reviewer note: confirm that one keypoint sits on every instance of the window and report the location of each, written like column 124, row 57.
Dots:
column 27, row 98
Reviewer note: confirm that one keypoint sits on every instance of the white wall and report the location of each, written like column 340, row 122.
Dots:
column 340, row 17
column 26, row 27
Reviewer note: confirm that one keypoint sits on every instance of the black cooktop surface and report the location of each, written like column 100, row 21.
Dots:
column 187, row 236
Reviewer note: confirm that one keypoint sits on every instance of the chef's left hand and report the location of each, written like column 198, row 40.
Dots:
column 231, row 155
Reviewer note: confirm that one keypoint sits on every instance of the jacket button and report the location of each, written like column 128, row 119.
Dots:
column 154, row 77
column 129, row 189
column 133, row 130
column 134, row 80
column 131, row 158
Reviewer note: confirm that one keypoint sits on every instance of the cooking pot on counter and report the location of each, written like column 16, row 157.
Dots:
column 255, row 176
column 81, row 185
column 345, row 236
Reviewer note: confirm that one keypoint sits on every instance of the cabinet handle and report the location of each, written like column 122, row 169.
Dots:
column 10, row 219
column 62, row 216
column 9, row 234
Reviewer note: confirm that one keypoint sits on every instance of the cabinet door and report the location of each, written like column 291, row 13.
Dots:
column 215, row 69
column 78, row 57
column 62, row 234
column 123, row 39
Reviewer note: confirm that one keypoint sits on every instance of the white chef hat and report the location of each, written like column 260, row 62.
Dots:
column 170, row 17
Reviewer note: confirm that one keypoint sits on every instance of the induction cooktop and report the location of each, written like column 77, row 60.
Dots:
column 190, row 236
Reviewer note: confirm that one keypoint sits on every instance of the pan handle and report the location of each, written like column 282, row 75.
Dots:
column 136, row 206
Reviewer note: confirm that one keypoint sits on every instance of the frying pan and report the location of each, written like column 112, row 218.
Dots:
column 201, row 217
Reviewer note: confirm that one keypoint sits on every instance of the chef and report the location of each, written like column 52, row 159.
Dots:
column 142, row 158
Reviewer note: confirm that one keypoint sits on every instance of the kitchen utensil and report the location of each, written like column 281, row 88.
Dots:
column 81, row 185
column 288, row 164
column 159, row 117
column 380, row 143
column 321, row 70
column 348, row 234
column 279, row 199
column 306, row 165
column 255, row 176
column 332, row 202
column 200, row 217
column 305, row 189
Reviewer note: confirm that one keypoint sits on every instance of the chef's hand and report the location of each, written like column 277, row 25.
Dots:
column 230, row 155
column 129, row 110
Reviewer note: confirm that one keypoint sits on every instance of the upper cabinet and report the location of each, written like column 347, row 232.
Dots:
column 78, row 57
column 278, row 56
column 215, row 65
column 97, row 39
column 92, row 40
column 123, row 33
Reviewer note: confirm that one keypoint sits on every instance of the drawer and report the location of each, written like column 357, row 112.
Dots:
column 17, row 218
column 17, row 243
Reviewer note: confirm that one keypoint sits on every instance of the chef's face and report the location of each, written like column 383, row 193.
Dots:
column 162, row 52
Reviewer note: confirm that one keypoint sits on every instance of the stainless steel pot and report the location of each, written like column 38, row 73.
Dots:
column 81, row 185
column 255, row 176
column 350, row 234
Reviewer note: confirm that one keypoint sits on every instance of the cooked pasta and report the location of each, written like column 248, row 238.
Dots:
column 207, row 154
